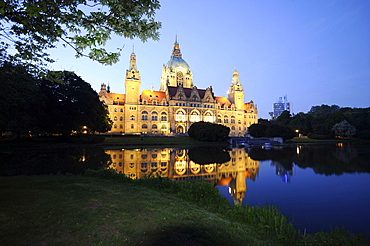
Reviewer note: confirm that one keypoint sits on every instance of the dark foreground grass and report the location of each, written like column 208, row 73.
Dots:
column 105, row 208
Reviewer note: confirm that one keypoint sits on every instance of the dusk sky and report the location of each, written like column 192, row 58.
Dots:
column 314, row 51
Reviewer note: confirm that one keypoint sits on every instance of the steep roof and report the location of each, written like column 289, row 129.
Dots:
column 117, row 97
column 172, row 90
column 223, row 101
column 159, row 95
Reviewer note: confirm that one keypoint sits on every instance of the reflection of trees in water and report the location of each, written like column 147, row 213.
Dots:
column 55, row 161
column 207, row 155
column 345, row 154
column 323, row 159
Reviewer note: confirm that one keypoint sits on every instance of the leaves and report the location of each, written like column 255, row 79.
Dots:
column 33, row 26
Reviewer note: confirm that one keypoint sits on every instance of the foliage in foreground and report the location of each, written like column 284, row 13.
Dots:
column 32, row 27
column 266, row 221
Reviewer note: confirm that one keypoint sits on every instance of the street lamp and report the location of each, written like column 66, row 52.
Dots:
column 297, row 131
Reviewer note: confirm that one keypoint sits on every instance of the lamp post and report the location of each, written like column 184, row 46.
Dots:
column 297, row 131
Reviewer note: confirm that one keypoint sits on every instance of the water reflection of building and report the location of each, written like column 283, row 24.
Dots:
column 284, row 173
column 176, row 165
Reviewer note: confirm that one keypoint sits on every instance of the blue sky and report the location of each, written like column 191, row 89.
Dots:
column 315, row 52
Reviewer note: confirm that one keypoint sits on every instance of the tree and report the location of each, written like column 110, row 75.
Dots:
column 32, row 26
column 276, row 130
column 71, row 105
column 344, row 129
column 284, row 119
column 20, row 101
column 208, row 132
column 257, row 130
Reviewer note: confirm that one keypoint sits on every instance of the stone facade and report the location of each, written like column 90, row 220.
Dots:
column 177, row 105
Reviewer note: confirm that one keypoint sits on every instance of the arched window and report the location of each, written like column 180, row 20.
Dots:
column 232, row 119
column 219, row 119
column 121, row 110
column 195, row 98
column 132, row 117
column 154, row 116
column 194, row 116
column 144, row 115
column 226, row 119
column 164, row 127
column 180, row 116
column 132, row 126
column 144, row 126
column 179, row 79
column 120, row 126
column 208, row 117
column 115, row 126
column 115, row 109
column 233, row 128
column 163, row 116
column 115, row 118
column 121, row 118
column 154, row 126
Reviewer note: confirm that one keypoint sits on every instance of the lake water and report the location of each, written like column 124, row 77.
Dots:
column 317, row 186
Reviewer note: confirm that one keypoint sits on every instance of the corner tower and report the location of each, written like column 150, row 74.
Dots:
column 132, row 82
column 177, row 71
column 236, row 92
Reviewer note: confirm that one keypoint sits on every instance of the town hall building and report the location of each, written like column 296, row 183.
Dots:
column 177, row 104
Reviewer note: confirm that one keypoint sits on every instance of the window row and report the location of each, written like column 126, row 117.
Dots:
column 154, row 126
column 154, row 116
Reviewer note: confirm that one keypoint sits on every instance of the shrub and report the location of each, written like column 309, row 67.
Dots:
column 208, row 132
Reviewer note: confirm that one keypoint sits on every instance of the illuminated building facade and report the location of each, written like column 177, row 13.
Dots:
column 176, row 165
column 177, row 104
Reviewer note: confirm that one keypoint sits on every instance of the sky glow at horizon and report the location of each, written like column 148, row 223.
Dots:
column 315, row 52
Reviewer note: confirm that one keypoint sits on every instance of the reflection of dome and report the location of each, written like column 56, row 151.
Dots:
column 175, row 62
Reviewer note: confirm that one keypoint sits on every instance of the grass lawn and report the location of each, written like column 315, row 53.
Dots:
column 79, row 210
column 86, row 210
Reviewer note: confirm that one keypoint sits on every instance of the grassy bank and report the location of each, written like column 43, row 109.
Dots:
column 305, row 140
column 109, row 141
column 109, row 209
column 137, row 141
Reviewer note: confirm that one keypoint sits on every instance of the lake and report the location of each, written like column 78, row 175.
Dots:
column 317, row 186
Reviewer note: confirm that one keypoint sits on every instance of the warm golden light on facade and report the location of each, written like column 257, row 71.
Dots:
column 176, row 165
column 177, row 104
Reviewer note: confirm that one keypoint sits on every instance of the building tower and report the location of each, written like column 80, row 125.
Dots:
column 177, row 71
column 132, row 82
column 280, row 106
column 236, row 92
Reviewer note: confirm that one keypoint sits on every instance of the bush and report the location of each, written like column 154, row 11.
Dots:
column 208, row 132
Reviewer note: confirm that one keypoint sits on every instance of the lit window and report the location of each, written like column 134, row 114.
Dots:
column 144, row 115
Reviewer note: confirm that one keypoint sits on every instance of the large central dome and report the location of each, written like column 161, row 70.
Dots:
column 176, row 62
column 177, row 71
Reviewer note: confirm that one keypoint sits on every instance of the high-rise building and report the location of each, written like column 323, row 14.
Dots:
column 280, row 106
column 177, row 104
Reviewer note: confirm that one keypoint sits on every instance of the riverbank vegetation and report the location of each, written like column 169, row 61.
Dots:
column 107, row 208
column 321, row 122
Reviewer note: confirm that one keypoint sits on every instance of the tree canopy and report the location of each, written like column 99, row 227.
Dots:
column 71, row 104
column 320, row 122
column 208, row 132
column 59, row 103
column 33, row 26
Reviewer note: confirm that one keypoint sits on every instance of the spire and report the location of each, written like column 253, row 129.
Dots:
column 235, row 79
column 132, row 61
column 176, row 49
